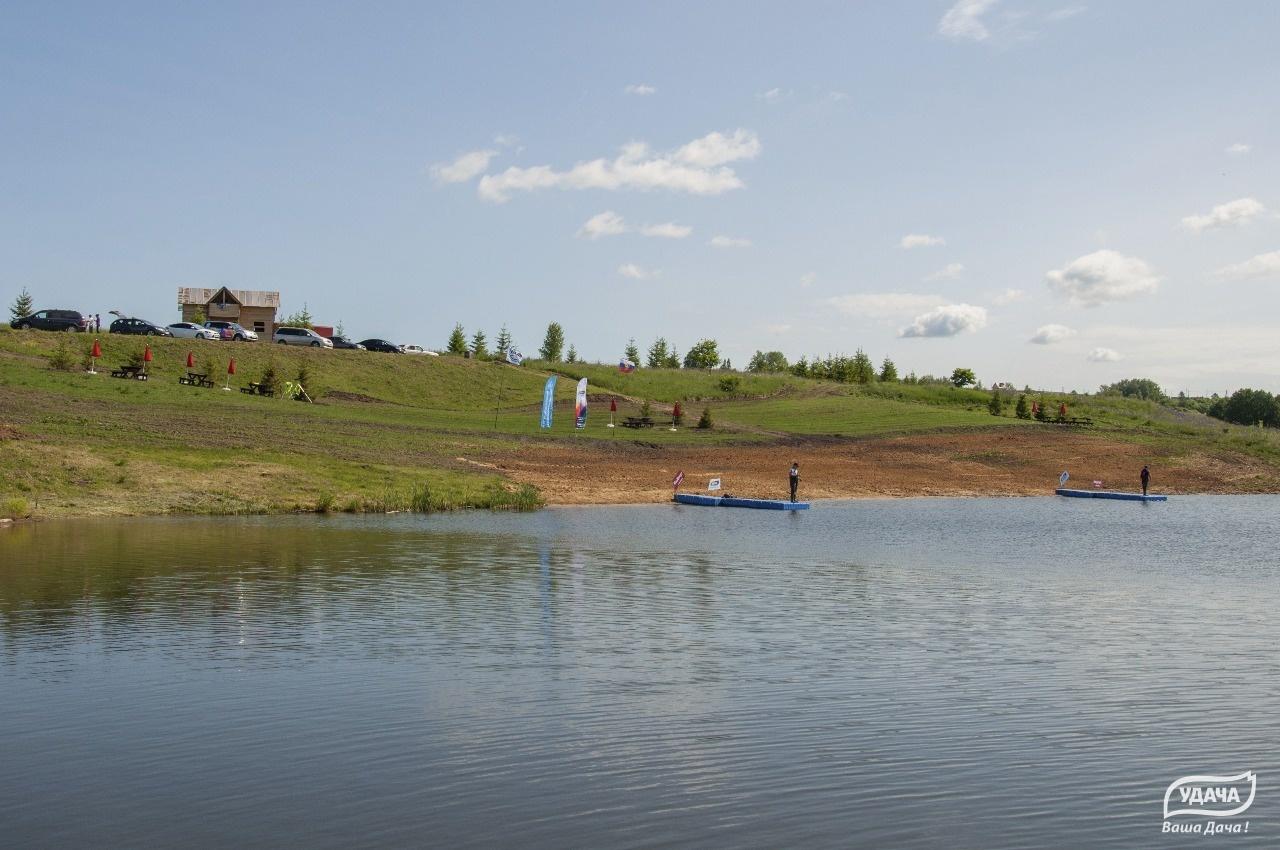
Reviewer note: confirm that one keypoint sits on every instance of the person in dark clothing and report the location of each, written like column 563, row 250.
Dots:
column 795, row 478
column 1146, row 479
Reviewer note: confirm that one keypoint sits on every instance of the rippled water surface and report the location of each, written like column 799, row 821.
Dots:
column 921, row 673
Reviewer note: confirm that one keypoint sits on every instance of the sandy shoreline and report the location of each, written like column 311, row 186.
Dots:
column 984, row 464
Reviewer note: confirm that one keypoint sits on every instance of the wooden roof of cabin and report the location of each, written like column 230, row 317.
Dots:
column 246, row 297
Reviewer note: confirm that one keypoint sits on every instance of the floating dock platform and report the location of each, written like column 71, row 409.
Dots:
column 736, row 502
column 1109, row 494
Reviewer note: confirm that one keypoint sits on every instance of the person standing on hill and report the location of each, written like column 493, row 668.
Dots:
column 795, row 478
column 1146, row 479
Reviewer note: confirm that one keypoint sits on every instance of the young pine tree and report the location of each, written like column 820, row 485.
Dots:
column 552, row 343
column 22, row 305
column 457, row 340
column 1022, row 410
column 888, row 371
column 631, row 352
column 658, row 354
column 480, row 345
column 571, row 356
column 996, row 404
column 504, row 341
column 861, row 369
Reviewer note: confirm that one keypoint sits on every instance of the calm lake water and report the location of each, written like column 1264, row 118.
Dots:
column 920, row 673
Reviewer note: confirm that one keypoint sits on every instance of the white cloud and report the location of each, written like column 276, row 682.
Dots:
column 836, row 96
column 1007, row 297
column 698, row 168
column 666, row 230
column 1049, row 334
column 640, row 89
column 1065, row 13
column 607, row 223
column 963, row 21
column 729, row 242
column 807, row 279
column 1103, row 276
column 921, row 240
column 1263, row 266
column 884, row 304
column 635, row 272
column 1238, row 149
column 1231, row 214
column 506, row 140
column 1103, row 355
column 949, row 272
column 465, row 167
column 947, row 320
column 777, row 330
column 773, row 95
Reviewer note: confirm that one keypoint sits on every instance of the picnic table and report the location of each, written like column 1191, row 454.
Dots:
column 196, row 379
column 1079, row 421
column 637, row 422
column 256, row 388
column 128, row 370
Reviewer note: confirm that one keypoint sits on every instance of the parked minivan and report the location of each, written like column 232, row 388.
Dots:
column 300, row 336
column 51, row 320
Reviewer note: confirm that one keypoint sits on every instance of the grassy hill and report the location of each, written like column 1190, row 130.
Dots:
column 396, row 432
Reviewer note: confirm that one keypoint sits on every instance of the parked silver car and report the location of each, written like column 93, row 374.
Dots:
column 190, row 330
column 300, row 336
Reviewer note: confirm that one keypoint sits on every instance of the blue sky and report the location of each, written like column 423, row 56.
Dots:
column 940, row 183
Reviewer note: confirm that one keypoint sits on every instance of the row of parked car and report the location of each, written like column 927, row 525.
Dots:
column 71, row 320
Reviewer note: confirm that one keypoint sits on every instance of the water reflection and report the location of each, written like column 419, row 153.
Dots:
column 868, row 674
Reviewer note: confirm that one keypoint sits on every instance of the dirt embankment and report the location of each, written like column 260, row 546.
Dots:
column 1008, row 462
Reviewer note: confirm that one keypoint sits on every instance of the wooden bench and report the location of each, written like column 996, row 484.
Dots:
column 129, row 371
column 256, row 388
column 196, row 379
column 637, row 422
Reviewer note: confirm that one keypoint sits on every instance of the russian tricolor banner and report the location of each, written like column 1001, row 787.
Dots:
column 625, row 366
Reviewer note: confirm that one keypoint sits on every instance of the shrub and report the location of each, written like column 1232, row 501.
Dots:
column 16, row 507
column 704, row 421
column 62, row 358
column 268, row 379
column 1023, row 410
column 644, row 409
column 729, row 384
column 996, row 404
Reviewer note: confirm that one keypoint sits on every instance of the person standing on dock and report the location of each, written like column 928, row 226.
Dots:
column 795, row 478
column 1146, row 479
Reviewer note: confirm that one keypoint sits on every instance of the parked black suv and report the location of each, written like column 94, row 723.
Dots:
column 51, row 320
column 381, row 345
column 138, row 326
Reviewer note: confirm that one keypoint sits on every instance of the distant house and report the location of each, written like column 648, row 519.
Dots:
column 254, row 309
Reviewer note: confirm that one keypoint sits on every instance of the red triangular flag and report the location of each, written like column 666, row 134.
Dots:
column 676, row 410
column 146, row 354
column 613, row 405
column 231, row 366
column 97, row 349
column 191, row 360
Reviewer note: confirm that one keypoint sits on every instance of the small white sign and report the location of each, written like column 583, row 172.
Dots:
column 713, row 484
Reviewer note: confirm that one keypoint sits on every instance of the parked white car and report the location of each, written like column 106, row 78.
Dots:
column 190, row 330
column 300, row 336
column 417, row 349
